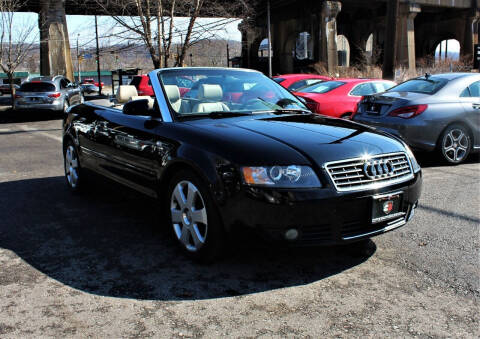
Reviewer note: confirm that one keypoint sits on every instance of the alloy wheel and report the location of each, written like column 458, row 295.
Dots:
column 71, row 166
column 456, row 145
column 189, row 215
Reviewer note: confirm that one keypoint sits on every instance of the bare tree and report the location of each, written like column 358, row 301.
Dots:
column 16, row 40
column 153, row 21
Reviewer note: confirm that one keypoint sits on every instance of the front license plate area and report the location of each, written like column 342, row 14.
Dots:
column 387, row 207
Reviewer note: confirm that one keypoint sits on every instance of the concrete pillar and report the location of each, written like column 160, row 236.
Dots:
column 55, row 58
column 470, row 36
column 326, row 41
column 283, row 43
column 406, row 35
column 251, row 38
column 247, row 40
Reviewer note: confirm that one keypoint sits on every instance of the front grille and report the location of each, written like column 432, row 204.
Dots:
column 351, row 174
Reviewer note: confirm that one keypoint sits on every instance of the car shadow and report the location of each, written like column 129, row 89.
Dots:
column 110, row 242
column 9, row 116
column 432, row 159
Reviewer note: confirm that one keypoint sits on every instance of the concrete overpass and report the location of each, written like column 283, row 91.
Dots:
column 422, row 24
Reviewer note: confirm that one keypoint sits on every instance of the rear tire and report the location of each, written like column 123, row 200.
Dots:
column 347, row 116
column 194, row 218
column 74, row 175
column 455, row 144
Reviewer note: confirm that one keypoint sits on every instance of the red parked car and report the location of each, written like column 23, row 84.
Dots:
column 142, row 84
column 339, row 98
column 292, row 82
column 91, row 81
column 144, row 87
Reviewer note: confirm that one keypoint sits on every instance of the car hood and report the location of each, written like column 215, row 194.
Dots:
column 319, row 139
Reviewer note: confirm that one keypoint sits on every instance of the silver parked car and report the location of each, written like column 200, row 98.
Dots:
column 431, row 113
column 56, row 94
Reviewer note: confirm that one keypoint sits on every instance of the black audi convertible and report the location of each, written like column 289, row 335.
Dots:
column 228, row 149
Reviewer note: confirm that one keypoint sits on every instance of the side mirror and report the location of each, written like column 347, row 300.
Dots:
column 137, row 107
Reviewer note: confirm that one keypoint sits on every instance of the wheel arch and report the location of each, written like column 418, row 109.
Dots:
column 65, row 139
column 205, row 174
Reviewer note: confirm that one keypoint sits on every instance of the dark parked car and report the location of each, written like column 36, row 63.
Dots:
column 263, row 162
column 56, row 94
column 5, row 89
column 431, row 113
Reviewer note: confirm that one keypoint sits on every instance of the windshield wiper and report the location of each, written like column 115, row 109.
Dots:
column 292, row 110
column 226, row 114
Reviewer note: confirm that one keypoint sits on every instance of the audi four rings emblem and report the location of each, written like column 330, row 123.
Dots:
column 376, row 169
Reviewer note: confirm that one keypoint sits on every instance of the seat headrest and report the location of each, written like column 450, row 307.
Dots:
column 173, row 93
column 125, row 92
column 210, row 92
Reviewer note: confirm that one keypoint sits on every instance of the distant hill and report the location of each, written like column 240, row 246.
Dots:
column 450, row 55
column 204, row 53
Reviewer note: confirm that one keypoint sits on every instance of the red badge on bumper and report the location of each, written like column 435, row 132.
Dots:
column 387, row 206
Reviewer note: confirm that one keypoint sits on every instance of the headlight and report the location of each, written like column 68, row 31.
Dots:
column 292, row 176
column 413, row 161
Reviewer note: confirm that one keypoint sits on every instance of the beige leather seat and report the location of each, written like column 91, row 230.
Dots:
column 125, row 93
column 211, row 99
column 176, row 101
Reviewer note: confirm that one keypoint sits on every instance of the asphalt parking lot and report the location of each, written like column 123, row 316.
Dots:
column 101, row 265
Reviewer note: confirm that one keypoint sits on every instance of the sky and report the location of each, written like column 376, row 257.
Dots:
column 83, row 27
column 453, row 49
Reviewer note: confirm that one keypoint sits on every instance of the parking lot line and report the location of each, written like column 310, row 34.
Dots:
column 45, row 134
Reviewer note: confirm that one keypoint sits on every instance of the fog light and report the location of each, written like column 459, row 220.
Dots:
column 291, row 234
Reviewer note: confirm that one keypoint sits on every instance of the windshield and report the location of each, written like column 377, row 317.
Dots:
column 420, row 85
column 37, row 87
column 224, row 90
column 322, row 87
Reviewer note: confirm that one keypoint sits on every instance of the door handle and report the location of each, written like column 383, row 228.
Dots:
column 476, row 106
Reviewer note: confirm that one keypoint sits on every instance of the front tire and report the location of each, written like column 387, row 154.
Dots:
column 65, row 106
column 455, row 144
column 193, row 217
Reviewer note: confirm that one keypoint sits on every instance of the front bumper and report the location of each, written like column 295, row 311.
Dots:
column 320, row 216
